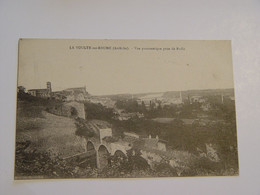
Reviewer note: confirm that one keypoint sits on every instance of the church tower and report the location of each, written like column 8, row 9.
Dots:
column 49, row 87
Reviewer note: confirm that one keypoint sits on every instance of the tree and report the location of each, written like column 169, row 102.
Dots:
column 21, row 89
column 143, row 108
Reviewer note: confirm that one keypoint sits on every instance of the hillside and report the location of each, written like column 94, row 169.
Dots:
column 46, row 132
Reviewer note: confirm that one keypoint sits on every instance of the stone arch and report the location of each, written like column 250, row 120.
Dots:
column 92, row 154
column 73, row 112
column 103, row 159
column 90, row 146
column 73, row 109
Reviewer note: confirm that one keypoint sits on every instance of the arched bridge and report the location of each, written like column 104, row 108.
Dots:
column 102, row 151
column 101, row 147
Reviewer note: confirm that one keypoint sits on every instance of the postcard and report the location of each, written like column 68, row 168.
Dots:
column 125, row 109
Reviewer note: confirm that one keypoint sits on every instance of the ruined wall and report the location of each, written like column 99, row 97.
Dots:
column 105, row 133
column 69, row 109
column 161, row 146
column 123, row 147
column 68, row 106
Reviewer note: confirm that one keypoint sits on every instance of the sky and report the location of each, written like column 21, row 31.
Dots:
column 140, row 66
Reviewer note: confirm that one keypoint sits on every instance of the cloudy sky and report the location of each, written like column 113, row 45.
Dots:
column 198, row 65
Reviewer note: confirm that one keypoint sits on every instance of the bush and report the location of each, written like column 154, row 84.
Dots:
column 82, row 128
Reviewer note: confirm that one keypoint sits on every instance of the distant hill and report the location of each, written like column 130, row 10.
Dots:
column 206, row 92
column 174, row 94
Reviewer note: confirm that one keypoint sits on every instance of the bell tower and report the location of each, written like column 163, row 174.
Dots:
column 49, row 87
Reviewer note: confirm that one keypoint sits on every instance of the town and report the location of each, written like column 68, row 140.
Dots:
column 174, row 133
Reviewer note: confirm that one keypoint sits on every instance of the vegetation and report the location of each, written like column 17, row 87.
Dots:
column 83, row 129
column 97, row 111
column 191, row 138
column 38, row 164
column 224, row 111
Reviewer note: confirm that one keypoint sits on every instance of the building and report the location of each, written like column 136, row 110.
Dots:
column 197, row 99
column 122, row 115
column 76, row 94
column 43, row 93
column 71, row 94
column 157, row 100
column 205, row 106
column 104, row 101
column 155, row 143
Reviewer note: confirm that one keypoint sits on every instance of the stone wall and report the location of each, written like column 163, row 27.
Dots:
column 70, row 109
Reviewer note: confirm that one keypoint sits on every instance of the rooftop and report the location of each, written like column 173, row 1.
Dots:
column 38, row 90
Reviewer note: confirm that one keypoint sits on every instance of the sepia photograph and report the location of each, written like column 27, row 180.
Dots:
column 125, row 109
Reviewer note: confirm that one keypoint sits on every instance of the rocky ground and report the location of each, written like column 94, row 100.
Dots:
column 43, row 142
